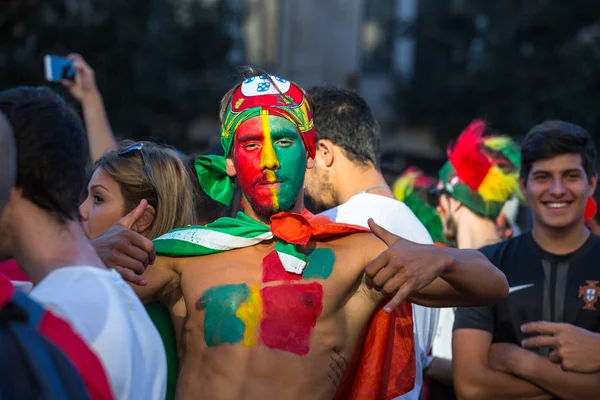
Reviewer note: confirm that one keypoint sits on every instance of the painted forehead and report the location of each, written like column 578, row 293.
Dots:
column 258, row 96
column 256, row 127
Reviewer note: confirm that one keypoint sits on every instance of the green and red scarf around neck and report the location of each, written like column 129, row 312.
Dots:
column 290, row 230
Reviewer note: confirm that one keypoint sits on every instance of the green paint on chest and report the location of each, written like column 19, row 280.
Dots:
column 221, row 303
column 320, row 264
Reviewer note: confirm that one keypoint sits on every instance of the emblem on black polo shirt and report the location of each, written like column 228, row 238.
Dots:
column 590, row 294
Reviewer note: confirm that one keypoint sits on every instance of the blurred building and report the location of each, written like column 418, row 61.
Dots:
column 365, row 45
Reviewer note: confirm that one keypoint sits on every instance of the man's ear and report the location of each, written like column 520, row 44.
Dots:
column 454, row 204
column 325, row 152
column 593, row 182
column 230, row 168
column 144, row 223
column 523, row 185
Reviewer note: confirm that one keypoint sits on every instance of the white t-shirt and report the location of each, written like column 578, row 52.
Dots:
column 397, row 218
column 105, row 311
column 442, row 342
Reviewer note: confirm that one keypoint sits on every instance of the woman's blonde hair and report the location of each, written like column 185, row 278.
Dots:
column 146, row 170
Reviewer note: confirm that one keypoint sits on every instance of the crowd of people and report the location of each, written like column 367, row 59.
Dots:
column 135, row 271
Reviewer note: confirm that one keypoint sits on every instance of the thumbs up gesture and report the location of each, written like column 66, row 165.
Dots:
column 125, row 250
column 405, row 267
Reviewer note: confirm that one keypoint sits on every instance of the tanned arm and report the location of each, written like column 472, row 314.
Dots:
column 475, row 379
column 543, row 373
column 440, row 370
column 97, row 126
column 575, row 349
column 162, row 279
column 430, row 275
column 468, row 280
column 84, row 89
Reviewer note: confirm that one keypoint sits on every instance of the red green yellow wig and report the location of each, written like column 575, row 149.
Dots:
column 482, row 171
column 407, row 188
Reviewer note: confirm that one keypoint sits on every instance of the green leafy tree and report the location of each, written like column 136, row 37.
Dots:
column 515, row 63
column 159, row 63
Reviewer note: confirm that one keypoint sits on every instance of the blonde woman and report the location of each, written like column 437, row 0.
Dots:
column 122, row 178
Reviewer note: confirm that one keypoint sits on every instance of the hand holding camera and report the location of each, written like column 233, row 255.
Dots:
column 74, row 73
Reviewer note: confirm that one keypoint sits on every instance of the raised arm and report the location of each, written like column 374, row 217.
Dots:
column 475, row 379
column 433, row 276
column 85, row 90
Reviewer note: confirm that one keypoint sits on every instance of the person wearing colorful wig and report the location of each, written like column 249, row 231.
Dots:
column 277, row 298
column 504, row 351
column 412, row 189
column 480, row 176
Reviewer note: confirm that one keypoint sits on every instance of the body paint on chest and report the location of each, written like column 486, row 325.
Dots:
column 280, row 317
column 290, row 315
column 221, row 323
column 319, row 266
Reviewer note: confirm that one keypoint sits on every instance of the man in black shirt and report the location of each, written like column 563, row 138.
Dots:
column 553, row 275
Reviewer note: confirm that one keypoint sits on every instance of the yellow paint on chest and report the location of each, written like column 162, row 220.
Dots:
column 250, row 313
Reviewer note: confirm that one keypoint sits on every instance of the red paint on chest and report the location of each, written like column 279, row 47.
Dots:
column 273, row 269
column 290, row 313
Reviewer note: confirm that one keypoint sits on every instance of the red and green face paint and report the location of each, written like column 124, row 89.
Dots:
column 270, row 161
column 280, row 317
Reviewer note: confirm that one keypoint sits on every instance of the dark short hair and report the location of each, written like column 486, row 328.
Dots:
column 343, row 117
column 52, row 149
column 553, row 138
column 8, row 160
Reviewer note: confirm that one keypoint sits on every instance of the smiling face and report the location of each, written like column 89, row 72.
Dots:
column 104, row 205
column 269, row 160
column 557, row 190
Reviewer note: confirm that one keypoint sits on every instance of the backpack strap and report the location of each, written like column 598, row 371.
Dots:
column 55, row 373
column 6, row 290
column 35, row 311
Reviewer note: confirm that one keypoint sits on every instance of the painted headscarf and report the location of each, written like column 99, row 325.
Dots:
column 482, row 172
column 406, row 190
column 255, row 96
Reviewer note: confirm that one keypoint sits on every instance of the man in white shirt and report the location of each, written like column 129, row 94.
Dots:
column 40, row 228
column 346, row 179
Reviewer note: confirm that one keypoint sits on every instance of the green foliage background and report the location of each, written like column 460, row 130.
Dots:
column 515, row 63
column 158, row 63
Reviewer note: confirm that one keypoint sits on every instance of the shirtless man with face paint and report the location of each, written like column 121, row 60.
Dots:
column 276, row 298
